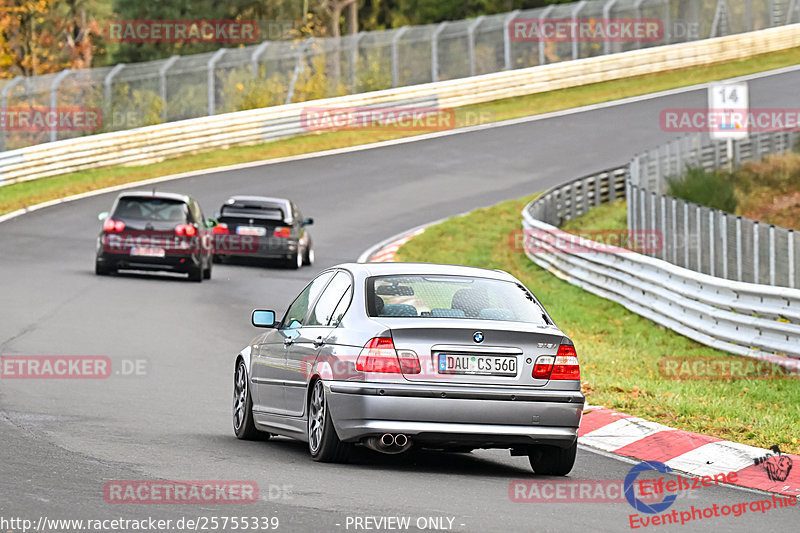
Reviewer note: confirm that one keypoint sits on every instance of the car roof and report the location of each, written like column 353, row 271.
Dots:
column 260, row 201
column 388, row 269
column 156, row 194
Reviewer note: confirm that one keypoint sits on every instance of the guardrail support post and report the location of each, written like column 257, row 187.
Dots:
column 685, row 234
column 674, row 233
column 711, row 255
column 756, row 273
column 471, row 43
column 212, row 94
column 507, row 38
column 435, row 51
column 790, row 251
column 257, row 53
column 738, row 248
column 724, row 235
column 54, row 99
column 575, row 12
column 396, row 55
column 699, row 242
column 772, row 255
column 162, row 76
column 4, row 105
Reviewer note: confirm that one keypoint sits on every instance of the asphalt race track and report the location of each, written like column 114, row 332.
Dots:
column 61, row 440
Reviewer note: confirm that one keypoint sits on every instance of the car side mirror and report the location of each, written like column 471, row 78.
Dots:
column 263, row 318
column 102, row 216
column 308, row 221
column 211, row 223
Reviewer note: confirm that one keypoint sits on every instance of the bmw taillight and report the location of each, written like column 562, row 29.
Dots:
column 379, row 355
column 564, row 366
column 284, row 232
column 185, row 229
column 113, row 225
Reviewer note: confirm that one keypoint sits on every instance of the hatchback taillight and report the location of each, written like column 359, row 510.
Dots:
column 284, row 232
column 220, row 229
column 113, row 225
column 185, row 229
column 564, row 366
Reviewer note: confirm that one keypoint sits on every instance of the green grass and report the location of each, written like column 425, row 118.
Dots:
column 619, row 350
column 17, row 196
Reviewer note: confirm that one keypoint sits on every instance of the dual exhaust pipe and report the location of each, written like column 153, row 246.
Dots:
column 388, row 443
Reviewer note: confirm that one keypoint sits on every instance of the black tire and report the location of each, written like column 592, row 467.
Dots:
column 295, row 261
column 553, row 461
column 207, row 271
column 243, row 426
column 216, row 259
column 323, row 442
column 308, row 256
column 100, row 269
column 196, row 274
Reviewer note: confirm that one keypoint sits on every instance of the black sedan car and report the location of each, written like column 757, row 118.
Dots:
column 260, row 227
column 155, row 231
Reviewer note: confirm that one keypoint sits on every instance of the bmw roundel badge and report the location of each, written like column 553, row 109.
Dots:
column 477, row 336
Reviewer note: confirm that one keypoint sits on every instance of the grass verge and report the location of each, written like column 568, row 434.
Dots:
column 620, row 351
column 18, row 196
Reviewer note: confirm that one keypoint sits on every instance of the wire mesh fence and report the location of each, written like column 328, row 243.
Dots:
column 708, row 240
column 276, row 72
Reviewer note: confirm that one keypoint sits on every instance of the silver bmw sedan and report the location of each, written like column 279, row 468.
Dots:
column 395, row 355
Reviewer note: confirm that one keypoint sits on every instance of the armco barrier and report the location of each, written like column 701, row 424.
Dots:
column 153, row 143
column 743, row 318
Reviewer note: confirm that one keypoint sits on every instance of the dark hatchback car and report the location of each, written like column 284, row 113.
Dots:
column 274, row 226
column 155, row 231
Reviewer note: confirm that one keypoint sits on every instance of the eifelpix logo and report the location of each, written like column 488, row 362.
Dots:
column 638, row 504
column 777, row 465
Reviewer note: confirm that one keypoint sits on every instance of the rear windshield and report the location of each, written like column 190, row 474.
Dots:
column 155, row 209
column 451, row 297
column 267, row 212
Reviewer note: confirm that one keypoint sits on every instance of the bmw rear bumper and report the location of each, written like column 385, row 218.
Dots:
column 447, row 415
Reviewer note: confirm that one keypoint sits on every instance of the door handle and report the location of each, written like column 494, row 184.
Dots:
column 287, row 341
column 319, row 341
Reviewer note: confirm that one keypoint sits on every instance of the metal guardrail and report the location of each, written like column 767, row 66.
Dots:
column 153, row 143
column 281, row 72
column 743, row 318
column 707, row 240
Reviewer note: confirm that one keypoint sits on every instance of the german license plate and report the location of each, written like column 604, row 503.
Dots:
column 255, row 231
column 147, row 252
column 488, row 365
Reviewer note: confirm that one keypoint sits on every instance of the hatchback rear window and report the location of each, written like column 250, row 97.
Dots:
column 155, row 209
column 268, row 213
column 454, row 297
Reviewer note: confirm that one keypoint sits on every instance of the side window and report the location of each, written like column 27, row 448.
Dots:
column 325, row 307
column 341, row 309
column 296, row 315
